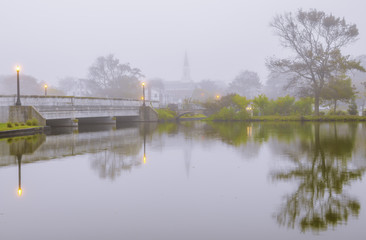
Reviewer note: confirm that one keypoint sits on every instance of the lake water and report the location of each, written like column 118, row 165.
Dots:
column 186, row 181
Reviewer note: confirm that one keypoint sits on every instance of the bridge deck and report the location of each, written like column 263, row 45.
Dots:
column 61, row 107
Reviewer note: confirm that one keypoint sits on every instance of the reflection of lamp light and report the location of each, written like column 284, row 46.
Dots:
column 144, row 158
column 249, row 131
column 19, row 175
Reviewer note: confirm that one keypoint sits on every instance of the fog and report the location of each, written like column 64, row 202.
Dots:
column 56, row 39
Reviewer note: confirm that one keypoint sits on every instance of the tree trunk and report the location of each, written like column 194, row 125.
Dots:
column 316, row 105
column 335, row 106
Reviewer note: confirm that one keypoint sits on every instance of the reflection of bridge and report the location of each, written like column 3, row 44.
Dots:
column 123, row 141
column 55, row 108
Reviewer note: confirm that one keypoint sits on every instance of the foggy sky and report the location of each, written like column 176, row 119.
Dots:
column 55, row 39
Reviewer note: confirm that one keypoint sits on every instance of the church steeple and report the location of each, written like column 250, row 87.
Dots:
column 186, row 71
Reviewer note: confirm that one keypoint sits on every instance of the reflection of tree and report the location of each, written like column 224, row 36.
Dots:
column 111, row 162
column 231, row 133
column 322, row 173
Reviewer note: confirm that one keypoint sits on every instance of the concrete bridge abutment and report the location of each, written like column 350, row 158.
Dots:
column 148, row 114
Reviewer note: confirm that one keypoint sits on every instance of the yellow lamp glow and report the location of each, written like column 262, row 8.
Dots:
column 45, row 86
column 143, row 84
column 18, row 68
column 217, row 96
column 19, row 192
column 144, row 159
column 142, row 98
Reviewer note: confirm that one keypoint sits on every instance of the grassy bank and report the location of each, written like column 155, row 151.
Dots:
column 298, row 118
column 309, row 118
column 165, row 114
column 17, row 126
column 194, row 116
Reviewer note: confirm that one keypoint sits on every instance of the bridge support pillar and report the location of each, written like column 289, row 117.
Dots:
column 63, row 122
column 98, row 120
column 148, row 114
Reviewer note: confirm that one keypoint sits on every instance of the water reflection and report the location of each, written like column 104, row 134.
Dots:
column 321, row 164
column 19, row 146
column 322, row 158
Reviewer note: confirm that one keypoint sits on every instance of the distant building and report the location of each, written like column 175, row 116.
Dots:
column 186, row 77
column 177, row 91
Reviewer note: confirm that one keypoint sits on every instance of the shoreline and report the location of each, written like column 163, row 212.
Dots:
column 21, row 132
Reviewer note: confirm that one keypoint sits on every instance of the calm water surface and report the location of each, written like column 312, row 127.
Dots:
column 186, row 181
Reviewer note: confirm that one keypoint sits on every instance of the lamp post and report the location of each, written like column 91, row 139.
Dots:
column 45, row 89
column 250, row 109
column 18, row 90
column 143, row 94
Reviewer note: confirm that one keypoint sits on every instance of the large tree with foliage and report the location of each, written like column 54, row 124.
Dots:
column 316, row 38
column 246, row 84
column 110, row 78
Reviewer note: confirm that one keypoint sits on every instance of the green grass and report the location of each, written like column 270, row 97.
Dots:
column 325, row 118
column 165, row 114
column 5, row 127
column 309, row 118
column 194, row 116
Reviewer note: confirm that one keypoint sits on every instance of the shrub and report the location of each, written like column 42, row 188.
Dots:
column 29, row 122
column 34, row 122
column 341, row 113
column 9, row 124
column 226, row 113
column 166, row 114
column 303, row 106
column 16, row 124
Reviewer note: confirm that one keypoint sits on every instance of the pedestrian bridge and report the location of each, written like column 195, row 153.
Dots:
column 53, row 108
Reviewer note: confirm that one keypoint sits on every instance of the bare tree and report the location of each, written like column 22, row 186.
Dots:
column 316, row 39
column 113, row 79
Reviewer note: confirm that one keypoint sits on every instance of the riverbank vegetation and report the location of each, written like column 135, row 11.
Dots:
column 165, row 114
column 31, row 123
column 233, row 107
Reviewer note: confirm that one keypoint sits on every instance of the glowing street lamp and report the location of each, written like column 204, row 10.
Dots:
column 217, row 97
column 18, row 88
column 143, row 94
column 250, row 109
column 45, row 89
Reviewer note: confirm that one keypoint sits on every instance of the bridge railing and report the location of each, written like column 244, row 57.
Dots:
column 33, row 100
